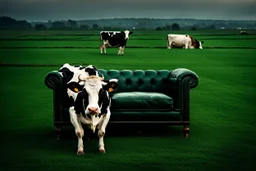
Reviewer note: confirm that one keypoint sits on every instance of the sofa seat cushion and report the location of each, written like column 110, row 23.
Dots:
column 145, row 116
column 141, row 101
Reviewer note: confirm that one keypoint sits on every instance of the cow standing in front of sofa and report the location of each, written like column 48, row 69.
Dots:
column 91, row 101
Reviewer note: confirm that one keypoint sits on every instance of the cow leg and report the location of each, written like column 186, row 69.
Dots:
column 105, row 48
column 101, row 49
column 102, row 129
column 186, row 44
column 78, row 130
column 169, row 45
column 80, row 149
column 120, row 50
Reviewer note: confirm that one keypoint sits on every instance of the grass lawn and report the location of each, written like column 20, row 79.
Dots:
column 222, row 135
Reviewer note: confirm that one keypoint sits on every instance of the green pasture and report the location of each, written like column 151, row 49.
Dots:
column 137, row 58
column 147, row 39
column 208, row 43
column 222, row 135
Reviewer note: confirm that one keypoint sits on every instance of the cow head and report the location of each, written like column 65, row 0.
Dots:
column 198, row 44
column 126, row 33
column 93, row 98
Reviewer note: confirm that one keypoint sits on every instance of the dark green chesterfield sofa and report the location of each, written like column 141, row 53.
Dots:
column 142, row 96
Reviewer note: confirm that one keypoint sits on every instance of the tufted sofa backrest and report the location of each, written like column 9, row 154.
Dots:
column 139, row 80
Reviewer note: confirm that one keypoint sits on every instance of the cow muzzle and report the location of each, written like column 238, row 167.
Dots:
column 93, row 110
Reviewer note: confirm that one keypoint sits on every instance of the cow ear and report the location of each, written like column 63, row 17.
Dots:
column 111, row 85
column 130, row 32
column 75, row 87
column 91, row 66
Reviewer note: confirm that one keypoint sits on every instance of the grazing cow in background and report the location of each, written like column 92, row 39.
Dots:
column 243, row 32
column 114, row 39
column 91, row 101
column 183, row 41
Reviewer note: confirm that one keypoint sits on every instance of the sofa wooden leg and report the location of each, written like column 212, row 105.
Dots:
column 58, row 132
column 186, row 130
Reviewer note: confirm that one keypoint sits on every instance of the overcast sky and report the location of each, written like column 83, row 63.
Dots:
column 44, row 10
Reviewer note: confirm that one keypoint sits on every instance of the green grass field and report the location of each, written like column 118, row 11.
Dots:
column 222, row 135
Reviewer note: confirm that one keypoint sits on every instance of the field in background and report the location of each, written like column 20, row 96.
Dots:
column 144, row 39
column 222, row 106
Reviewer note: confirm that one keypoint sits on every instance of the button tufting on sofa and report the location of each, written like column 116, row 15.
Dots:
column 153, row 81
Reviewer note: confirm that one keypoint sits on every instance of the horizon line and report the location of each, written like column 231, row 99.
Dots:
column 149, row 18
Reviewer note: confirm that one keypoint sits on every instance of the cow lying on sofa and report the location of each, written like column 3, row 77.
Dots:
column 141, row 97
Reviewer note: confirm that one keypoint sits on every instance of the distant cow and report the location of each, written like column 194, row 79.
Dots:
column 183, row 41
column 91, row 101
column 243, row 32
column 114, row 39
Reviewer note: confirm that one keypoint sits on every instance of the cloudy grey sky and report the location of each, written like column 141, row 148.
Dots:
column 44, row 10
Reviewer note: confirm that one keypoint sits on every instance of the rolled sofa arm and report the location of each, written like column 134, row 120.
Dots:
column 181, row 73
column 53, row 80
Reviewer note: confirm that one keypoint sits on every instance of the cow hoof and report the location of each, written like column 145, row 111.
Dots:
column 80, row 152
column 102, row 151
column 105, row 54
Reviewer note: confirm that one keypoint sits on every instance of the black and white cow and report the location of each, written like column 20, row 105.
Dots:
column 91, row 101
column 114, row 39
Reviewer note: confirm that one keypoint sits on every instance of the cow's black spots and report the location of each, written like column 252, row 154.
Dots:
column 81, row 101
column 103, row 101
column 67, row 74
column 71, row 101
column 91, row 71
column 74, row 86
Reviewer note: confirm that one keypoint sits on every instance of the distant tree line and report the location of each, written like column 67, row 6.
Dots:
column 126, row 23
column 174, row 26
column 10, row 23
